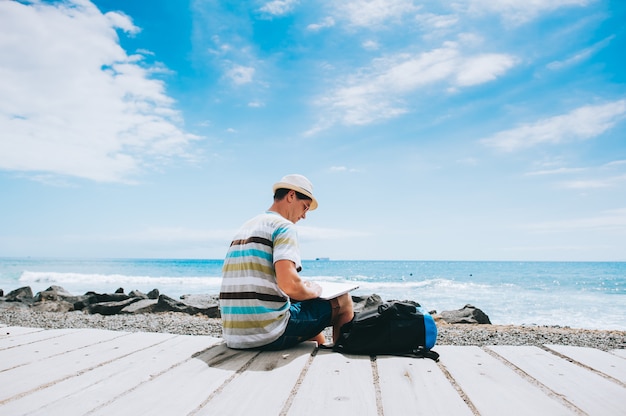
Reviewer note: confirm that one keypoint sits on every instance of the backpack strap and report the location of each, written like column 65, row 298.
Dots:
column 416, row 353
column 424, row 353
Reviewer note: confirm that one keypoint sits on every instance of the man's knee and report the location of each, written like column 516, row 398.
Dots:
column 342, row 306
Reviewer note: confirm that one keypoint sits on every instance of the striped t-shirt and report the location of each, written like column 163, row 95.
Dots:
column 255, row 311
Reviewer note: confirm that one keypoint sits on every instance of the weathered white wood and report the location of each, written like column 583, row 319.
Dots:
column 184, row 388
column 492, row 387
column 85, row 371
column 8, row 331
column 44, row 348
column 601, row 361
column 620, row 353
column 336, row 384
column 25, row 338
column 85, row 392
column 590, row 392
column 412, row 386
column 268, row 383
column 36, row 375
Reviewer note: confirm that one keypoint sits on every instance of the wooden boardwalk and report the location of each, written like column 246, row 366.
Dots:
column 97, row 372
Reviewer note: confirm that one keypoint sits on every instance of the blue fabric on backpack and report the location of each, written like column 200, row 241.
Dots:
column 430, row 329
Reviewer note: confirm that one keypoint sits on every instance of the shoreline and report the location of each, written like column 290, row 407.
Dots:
column 185, row 324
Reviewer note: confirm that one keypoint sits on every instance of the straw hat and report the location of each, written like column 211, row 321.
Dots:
column 299, row 184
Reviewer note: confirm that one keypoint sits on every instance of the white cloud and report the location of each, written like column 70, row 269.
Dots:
column 326, row 22
column 610, row 182
column 122, row 21
column 521, row 11
column 279, row 7
column 367, row 13
column 370, row 45
column 72, row 102
column 556, row 171
column 240, row 74
column 482, row 68
column 580, row 56
column 342, row 169
column 376, row 92
column 609, row 220
column 580, row 124
column 437, row 22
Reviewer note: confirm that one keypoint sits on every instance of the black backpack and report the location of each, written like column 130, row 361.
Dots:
column 393, row 328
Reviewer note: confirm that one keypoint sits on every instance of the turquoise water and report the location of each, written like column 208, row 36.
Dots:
column 576, row 294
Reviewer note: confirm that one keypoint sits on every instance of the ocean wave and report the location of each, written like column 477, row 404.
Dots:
column 88, row 279
column 438, row 283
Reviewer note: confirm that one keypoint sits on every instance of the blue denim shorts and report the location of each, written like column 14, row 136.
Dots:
column 306, row 320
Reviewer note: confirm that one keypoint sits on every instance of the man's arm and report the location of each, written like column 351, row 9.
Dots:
column 290, row 282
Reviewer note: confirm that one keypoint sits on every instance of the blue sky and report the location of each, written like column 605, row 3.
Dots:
column 431, row 130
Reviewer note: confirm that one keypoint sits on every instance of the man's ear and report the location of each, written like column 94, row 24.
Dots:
column 291, row 195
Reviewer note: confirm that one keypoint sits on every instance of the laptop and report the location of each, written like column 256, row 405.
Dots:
column 332, row 290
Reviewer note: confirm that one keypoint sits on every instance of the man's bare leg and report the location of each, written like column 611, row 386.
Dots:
column 319, row 338
column 343, row 312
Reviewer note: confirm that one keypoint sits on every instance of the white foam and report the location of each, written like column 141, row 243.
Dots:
column 79, row 283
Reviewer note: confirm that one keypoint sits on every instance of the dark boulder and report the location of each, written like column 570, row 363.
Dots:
column 110, row 308
column 141, row 306
column 137, row 294
column 23, row 294
column 205, row 304
column 467, row 315
column 107, row 297
column 167, row 304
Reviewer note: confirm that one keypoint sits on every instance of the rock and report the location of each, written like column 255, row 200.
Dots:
column 466, row 315
column 1, row 293
column 110, row 308
column 137, row 294
column 23, row 294
column 205, row 304
column 53, row 293
column 153, row 294
column 167, row 304
column 119, row 290
column 53, row 306
column 107, row 297
column 57, row 299
column 13, row 306
column 141, row 306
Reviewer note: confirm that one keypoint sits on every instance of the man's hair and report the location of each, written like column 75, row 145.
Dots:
column 282, row 192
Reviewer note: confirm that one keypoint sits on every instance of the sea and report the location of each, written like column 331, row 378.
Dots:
column 590, row 295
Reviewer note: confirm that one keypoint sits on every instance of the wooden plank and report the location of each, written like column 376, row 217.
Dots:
column 10, row 331
column 81, row 394
column 619, row 353
column 32, row 337
column 33, row 376
column 492, row 387
column 184, row 388
column 336, row 384
column 64, row 342
column 268, row 383
column 417, row 386
column 590, row 392
column 601, row 361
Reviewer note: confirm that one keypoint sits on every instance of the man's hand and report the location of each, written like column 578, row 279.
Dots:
column 290, row 282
